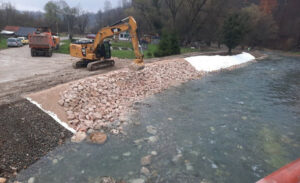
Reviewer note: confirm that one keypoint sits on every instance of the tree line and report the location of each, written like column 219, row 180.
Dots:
column 264, row 23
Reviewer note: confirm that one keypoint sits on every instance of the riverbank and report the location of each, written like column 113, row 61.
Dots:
column 103, row 102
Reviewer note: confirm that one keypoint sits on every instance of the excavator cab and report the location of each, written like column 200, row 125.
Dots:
column 103, row 50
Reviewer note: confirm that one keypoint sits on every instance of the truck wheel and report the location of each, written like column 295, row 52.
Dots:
column 32, row 52
column 49, row 54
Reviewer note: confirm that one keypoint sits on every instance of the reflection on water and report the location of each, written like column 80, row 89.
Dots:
column 233, row 126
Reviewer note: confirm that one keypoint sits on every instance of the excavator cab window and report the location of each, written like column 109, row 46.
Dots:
column 103, row 50
column 106, row 45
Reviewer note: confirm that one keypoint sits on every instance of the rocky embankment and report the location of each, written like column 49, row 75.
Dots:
column 100, row 102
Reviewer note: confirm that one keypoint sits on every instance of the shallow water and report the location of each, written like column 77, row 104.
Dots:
column 232, row 126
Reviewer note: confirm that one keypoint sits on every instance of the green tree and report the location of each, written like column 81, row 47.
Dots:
column 52, row 14
column 234, row 30
column 168, row 45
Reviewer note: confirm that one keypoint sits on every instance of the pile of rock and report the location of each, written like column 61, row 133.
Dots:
column 95, row 102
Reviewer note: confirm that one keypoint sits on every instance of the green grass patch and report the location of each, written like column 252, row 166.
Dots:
column 188, row 50
column 3, row 43
column 64, row 48
column 123, row 54
column 123, row 44
column 149, row 53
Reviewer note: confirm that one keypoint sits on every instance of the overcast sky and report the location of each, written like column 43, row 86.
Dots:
column 38, row 5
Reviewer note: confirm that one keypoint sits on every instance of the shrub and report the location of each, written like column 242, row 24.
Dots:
column 149, row 54
column 168, row 45
column 234, row 30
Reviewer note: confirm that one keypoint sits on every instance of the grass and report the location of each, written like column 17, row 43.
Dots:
column 123, row 54
column 188, row 50
column 3, row 43
column 64, row 48
column 124, row 44
column 149, row 53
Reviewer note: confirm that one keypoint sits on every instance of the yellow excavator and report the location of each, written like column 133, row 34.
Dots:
column 96, row 55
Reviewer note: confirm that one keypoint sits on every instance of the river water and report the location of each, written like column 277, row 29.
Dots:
column 231, row 126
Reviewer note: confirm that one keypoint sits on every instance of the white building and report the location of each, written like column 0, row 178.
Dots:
column 123, row 36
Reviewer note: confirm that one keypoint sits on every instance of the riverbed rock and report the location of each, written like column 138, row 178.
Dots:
column 137, row 181
column 78, row 137
column 127, row 154
column 98, row 137
column 151, row 130
column 3, row 180
column 31, row 180
column 55, row 161
column 138, row 141
column 145, row 171
column 154, row 153
column 177, row 157
column 205, row 181
column 107, row 180
column 146, row 160
column 188, row 165
column 153, row 139
column 115, row 131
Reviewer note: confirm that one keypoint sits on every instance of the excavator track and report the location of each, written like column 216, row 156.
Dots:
column 80, row 64
column 92, row 66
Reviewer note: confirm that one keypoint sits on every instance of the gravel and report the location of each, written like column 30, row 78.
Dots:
column 96, row 102
column 26, row 134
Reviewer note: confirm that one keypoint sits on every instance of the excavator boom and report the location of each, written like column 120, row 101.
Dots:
column 93, row 52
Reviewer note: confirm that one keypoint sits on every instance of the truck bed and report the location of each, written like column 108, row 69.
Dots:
column 40, row 41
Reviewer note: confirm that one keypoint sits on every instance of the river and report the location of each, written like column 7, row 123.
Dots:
column 232, row 126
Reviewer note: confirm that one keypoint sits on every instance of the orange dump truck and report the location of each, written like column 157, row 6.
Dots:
column 42, row 42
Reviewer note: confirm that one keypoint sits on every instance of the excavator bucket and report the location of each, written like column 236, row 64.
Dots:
column 138, row 64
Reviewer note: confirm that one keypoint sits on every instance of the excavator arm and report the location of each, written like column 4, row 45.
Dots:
column 127, row 24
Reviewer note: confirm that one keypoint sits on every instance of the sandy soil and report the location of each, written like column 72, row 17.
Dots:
column 42, row 98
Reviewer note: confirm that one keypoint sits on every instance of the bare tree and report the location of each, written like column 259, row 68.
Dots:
column 174, row 7
column 107, row 5
column 52, row 14
column 83, row 21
